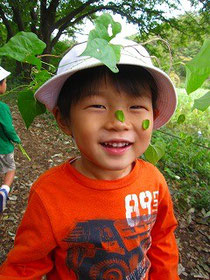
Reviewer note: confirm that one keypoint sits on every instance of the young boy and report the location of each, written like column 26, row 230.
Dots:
column 7, row 136
column 106, row 214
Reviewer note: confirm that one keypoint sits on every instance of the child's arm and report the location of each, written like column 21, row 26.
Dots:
column 7, row 126
column 163, row 253
column 31, row 256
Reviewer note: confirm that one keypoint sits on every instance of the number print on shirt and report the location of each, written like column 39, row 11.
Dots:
column 134, row 205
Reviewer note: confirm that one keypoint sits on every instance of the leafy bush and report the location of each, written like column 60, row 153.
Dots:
column 186, row 164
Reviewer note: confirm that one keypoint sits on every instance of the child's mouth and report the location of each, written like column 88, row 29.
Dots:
column 116, row 144
column 116, row 148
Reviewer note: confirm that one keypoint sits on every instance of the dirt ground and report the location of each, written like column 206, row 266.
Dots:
column 47, row 147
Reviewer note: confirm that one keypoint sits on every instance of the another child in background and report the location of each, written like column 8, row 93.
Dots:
column 106, row 214
column 7, row 136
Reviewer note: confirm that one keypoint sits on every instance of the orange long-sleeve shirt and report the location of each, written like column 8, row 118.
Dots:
column 79, row 228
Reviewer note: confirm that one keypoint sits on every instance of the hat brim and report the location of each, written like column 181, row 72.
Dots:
column 166, row 102
column 4, row 74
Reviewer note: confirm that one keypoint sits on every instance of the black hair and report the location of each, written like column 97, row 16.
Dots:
column 130, row 79
column 1, row 82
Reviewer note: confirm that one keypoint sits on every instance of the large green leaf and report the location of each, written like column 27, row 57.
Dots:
column 198, row 69
column 155, row 152
column 202, row 103
column 103, row 51
column 105, row 28
column 29, row 107
column 23, row 47
column 98, row 45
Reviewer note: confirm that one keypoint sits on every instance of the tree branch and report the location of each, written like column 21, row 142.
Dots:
column 17, row 16
column 6, row 22
column 71, row 15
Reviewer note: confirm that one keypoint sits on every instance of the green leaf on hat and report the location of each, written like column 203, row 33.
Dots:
column 103, row 51
column 120, row 115
column 145, row 124
column 105, row 28
column 29, row 107
column 155, row 152
column 23, row 47
column 98, row 45
column 202, row 103
column 198, row 69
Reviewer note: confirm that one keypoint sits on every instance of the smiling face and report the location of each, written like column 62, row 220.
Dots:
column 107, row 145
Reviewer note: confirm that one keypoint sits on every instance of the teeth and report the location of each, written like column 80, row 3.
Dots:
column 116, row 145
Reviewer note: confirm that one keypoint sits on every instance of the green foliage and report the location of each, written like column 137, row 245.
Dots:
column 29, row 107
column 155, row 152
column 120, row 115
column 198, row 69
column 24, row 47
column 174, row 47
column 187, row 162
column 202, row 103
column 98, row 45
column 181, row 119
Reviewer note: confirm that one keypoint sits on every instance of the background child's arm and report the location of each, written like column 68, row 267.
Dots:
column 31, row 256
column 163, row 253
column 7, row 126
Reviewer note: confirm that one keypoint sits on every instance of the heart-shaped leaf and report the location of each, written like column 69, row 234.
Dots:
column 23, row 47
column 99, row 46
column 29, row 107
column 155, row 152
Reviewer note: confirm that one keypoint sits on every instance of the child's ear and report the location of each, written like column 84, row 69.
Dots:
column 62, row 123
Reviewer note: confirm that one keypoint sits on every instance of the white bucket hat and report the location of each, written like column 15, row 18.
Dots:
column 3, row 73
column 131, row 54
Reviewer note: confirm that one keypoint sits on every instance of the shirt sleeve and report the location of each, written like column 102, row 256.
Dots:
column 163, row 252
column 6, row 122
column 31, row 257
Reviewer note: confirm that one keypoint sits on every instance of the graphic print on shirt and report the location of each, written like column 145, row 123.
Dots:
column 108, row 249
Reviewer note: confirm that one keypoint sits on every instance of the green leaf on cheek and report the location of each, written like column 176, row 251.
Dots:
column 120, row 115
column 145, row 124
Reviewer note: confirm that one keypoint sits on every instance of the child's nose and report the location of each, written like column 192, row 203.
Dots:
column 113, row 123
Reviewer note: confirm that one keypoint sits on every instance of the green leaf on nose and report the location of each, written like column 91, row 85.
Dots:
column 120, row 115
column 145, row 124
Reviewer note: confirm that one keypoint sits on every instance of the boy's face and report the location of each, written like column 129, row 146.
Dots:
column 108, row 146
column 3, row 86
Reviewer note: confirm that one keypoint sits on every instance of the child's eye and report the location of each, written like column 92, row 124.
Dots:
column 97, row 106
column 137, row 107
